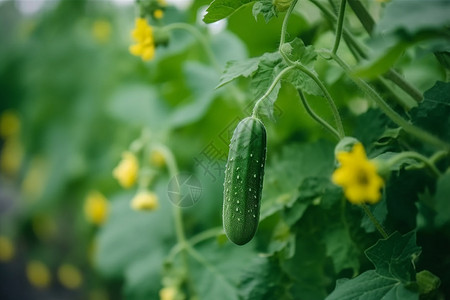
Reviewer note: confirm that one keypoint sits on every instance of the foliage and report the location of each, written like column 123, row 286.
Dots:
column 112, row 166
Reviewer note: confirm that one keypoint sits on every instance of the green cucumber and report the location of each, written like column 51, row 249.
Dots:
column 244, row 175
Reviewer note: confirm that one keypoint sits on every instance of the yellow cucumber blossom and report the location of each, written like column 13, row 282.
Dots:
column 69, row 276
column 358, row 176
column 6, row 249
column 127, row 170
column 158, row 14
column 145, row 200
column 96, row 208
column 142, row 34
column 38, row 274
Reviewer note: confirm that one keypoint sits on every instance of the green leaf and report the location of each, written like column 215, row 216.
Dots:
column 201, row 81
column 220, row 9
column 371, row 286
column 297, row 51
column 442, row 200
column 269, row 66
column 130, row 236
column 218, row 273
column 393, row 257
column 381, row 63
column 139, row 105
column 235, row 69
column 265, row 8
column 265, row 279
column 414, row 16
column 287, row 171
column 433, row 113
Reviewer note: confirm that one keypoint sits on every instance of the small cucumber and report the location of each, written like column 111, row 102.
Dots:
column 244, row 180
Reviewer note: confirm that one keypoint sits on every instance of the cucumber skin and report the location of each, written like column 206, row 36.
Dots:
column 244, row 175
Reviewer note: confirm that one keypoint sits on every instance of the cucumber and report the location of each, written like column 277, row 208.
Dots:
column 243, row 184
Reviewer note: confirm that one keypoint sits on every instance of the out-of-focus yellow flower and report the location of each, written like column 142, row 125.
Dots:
column 101, row 31
column 145, row 200
column 9, row 124
column 167, row 293
column 96, row 208
column 6, row 249
column 142, row 34
column 162, row 3
column 157, row 159
column 127, row 170
column 158, row 14
column 70, row 276
column 34, row 182
column 38, row 274
column 98, row 295
column 358, row 176
column 11, row 156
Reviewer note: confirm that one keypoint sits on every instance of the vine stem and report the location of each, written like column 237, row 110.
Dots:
column 202, row 236
column 270, row 89
column 392, row 114
column 316, row 117
column 285, row 22
column 374, row 221
column 339, row 26
column 368, row 24
column 410, row 154
column 177, row 214
column 337, row 117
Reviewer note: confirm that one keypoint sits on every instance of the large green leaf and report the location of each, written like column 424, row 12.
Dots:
column 140, row 105
column 220, row 9
column 265, row 279
column 442, row 200
column 414, row 16
column 201, row 80
column 371, row 286
column 216, row 273
column 130, row 236
column 433, row 113
column 393, row 257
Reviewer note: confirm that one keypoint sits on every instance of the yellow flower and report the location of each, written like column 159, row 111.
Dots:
column 70, row 276
column 96, row 208
column 127, row 170
column 157, row 158
column 35, row 180
column 158, row 14
column 145, row 200
column 9, row 124
column 38, row 274
column 101, row 31
column 11, row 156
column 162, row 3
column 167, row 293
column 6, row 249
column 358, row 176
column 143, row 36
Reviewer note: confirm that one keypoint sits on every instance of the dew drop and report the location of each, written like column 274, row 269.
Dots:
column 256, row 205
column 237, row 169
column 250, row 189
column 251, row 154
column 239, row 219
column 237, row 177
column 254, row 216
column 254, row 175
column 238, row 202
column 262, row 165
column 237, row 209
column 235, row 193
